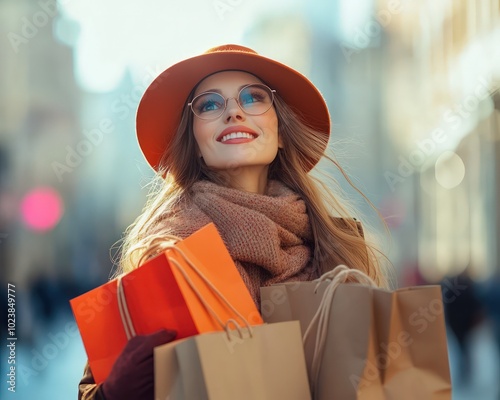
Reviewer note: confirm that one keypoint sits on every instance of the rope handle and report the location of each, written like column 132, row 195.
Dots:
column 127, row 322
column 320, row 319
column 224, row 326
column 125, row 313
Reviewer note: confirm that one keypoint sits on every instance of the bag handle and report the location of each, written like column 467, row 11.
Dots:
column 224, row 326
column 336, row 277
column 127, row 322
column 165, row 242
column 125, row 313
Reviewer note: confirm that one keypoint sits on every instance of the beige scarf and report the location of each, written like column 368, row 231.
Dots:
column 268, row 236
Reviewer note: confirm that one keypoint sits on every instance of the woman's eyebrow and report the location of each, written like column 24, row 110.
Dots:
column 220, row 91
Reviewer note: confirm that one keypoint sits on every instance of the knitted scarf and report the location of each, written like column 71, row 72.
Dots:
column 268, row 236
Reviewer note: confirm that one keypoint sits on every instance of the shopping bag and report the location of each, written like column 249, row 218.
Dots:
column 266, row 364
column 158, row 296
column 363, row 342
column 250, row 362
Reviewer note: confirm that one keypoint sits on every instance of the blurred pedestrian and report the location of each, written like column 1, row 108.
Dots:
column 463, row 313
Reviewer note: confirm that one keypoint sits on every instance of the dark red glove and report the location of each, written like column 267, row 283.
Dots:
column 132, row 375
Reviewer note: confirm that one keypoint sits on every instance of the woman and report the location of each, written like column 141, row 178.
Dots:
column 233, row 136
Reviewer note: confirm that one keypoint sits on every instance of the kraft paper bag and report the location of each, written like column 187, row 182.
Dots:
column 158, row 295
column 269, row 364
column 363, row 342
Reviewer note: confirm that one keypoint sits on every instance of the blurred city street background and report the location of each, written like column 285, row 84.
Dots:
column 413, row 90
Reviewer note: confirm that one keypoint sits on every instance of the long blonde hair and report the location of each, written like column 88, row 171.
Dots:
column 336, row 240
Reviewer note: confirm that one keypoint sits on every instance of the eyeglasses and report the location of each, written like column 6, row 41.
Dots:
column 253, row 99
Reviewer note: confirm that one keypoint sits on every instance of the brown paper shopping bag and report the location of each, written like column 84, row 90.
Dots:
column 265, row 363
column 362, row 342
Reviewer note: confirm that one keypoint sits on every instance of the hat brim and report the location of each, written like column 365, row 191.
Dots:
column 160, row 108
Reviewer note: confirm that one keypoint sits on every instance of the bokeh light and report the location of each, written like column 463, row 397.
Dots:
column 41, row 209
column 450, row 170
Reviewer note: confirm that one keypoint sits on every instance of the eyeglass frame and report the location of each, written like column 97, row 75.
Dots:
column 226, row 99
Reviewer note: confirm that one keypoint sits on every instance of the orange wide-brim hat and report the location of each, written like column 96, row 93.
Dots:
column 161, row 106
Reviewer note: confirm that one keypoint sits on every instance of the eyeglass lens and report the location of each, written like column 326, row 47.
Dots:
column 253, row 100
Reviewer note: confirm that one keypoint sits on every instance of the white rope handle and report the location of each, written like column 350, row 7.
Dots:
column 125, row 313
column 336, row 277
column 127, row 322
column 238, row 328
column 214, row 290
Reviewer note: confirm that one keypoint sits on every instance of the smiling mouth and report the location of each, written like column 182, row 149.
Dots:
column 237, row 135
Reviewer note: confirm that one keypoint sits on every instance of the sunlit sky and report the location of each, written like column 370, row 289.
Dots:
column 150, row 35
column 153, row 34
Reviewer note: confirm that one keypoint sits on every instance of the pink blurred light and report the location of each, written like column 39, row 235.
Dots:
column 41, row 209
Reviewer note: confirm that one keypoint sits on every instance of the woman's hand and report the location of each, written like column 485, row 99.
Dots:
column 132, row 375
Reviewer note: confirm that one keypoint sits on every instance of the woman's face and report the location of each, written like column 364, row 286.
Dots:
column 256, row 142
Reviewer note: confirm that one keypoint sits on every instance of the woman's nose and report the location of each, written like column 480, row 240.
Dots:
column 233, row 110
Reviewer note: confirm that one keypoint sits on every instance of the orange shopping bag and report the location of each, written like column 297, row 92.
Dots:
column 160, row 295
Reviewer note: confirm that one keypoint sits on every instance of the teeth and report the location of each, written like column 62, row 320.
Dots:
column 235, row 135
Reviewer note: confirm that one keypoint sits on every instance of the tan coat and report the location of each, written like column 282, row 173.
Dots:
column 88, row 389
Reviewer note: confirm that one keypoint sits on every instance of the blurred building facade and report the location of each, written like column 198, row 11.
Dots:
column 442, row 116
column 40, row 106
column 58, row 148
column 413, row 92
